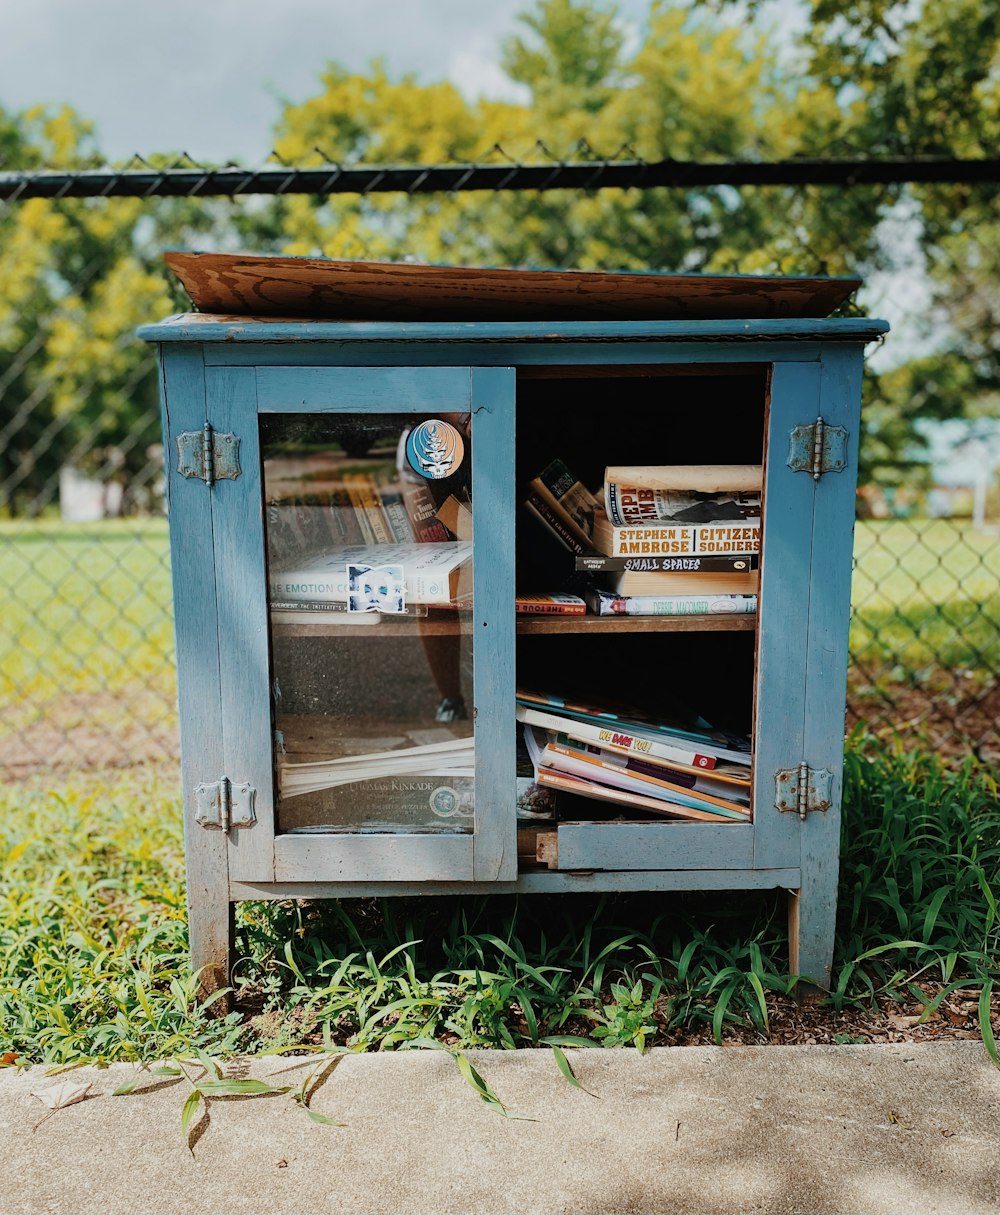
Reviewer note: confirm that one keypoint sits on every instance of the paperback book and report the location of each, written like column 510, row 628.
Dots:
column 555, row 604
column 618, row 736
column 600, row 563
column 613, row 771
column 607, row 603
column 569, row 498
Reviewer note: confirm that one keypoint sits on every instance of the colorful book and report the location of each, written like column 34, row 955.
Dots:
column 618, row 738
column 420, row 506
column 607, row 603
column 607, row 772
column 689, row 539
column 555, row 604
column 630, row 505
column 367, row 504
column 601, row 563
column 627, row 716
column 571, row 501
column 728, row 781
column 553, row 779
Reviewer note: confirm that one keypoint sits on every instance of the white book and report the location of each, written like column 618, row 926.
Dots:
column 439, row 574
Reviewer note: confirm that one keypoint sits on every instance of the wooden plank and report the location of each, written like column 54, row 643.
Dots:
column 739, row 332
column 373, row 858
column 242, row 605
column 636, row 624
column 592, row 352
column 655, row 845
column 377, row 390
column 256, row 285
column 783, row 608
column 813, row 912
column 493, row 498
column 422, row 626
column 540, row 881
column 198, row 691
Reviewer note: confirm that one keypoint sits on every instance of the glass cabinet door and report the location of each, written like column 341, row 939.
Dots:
column 374, row 708
column 368, row 524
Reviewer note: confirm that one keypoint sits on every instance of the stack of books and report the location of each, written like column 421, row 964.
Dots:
column 628, row 759
column 676, row 539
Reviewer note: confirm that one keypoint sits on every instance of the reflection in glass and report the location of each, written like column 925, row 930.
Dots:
column 369, row 548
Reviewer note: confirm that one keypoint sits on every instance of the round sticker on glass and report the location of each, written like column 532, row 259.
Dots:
column 434, row 449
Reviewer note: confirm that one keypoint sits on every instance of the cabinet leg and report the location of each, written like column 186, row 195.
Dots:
column 211, row 926
column 812, row 923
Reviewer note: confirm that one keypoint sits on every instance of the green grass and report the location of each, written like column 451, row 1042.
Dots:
column 93, row 965
column 78, row 599
column 926, row 596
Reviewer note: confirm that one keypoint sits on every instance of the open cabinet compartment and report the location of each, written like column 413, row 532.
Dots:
column 666, row 667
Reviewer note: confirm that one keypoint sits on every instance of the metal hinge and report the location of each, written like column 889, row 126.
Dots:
column 803, row 789
column 817, row 448
column 223, row 804
column 208, row 454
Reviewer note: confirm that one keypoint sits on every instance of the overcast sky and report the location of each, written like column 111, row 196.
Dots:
column 207, row 76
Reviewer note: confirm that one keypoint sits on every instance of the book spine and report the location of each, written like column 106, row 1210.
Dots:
column 307, row 605
column 687, row 539
column 617, row 739
column 368, row 508
column 344, row 523
column 738, row 563
column 604, row 604
column 585, row 788
column 569, row 499
column 396, row 516
column 427, row 527
column 692, row 478
column 603, row 772
column 544, row 512
column 560, row 606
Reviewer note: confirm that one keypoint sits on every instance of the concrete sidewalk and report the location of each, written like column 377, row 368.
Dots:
column 880, row 1129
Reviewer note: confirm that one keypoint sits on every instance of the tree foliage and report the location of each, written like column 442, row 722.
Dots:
column 868, row 77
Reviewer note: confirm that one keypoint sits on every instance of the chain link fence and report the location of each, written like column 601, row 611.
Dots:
column 86, row 651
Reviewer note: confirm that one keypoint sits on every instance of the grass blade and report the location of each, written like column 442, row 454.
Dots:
column 563, row 1064
column 986, row 1024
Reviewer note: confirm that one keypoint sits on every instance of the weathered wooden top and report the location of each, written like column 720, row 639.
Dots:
column 241, row 330
column 323, row 289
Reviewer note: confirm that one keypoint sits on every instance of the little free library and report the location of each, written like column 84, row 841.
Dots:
column 512, row 581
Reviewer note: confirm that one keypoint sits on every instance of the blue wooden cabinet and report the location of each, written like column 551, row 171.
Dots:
column 251, row 405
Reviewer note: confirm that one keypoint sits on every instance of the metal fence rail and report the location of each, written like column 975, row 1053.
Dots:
column 86, row 652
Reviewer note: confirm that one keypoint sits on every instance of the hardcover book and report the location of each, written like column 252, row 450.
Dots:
column 430, row 573
column 632, row 583
column 664, row 540
column 606, row 603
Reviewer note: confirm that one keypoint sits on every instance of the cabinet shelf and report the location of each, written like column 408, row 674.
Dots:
column 431, row 627
column 638, row 624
